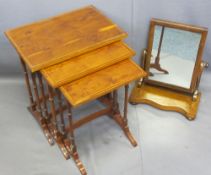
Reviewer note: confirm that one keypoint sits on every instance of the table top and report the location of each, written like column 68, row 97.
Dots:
column 77, row 67
column 97, row 84
column 62, row 37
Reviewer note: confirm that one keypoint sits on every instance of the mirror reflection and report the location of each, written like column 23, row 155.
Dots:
column 173, row 56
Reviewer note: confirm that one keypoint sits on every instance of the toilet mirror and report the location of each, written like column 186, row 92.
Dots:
column 175, row 54
column 173, row 61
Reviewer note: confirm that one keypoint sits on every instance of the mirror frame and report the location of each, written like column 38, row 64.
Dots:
column 196, row 72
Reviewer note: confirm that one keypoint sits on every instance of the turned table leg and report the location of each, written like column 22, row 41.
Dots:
column 59, row 138
column 61, row 111
column 45, row 108
column 122, row 121
column 26, row 75
column 39, row 109
column 70, row 142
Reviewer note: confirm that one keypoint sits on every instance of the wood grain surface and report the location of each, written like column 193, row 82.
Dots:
column 165, row 99
column 54, row 40
column 77, row 67
column 102, row 82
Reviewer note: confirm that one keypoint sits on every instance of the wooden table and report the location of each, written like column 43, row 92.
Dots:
column 68, row 61
column 60, row 38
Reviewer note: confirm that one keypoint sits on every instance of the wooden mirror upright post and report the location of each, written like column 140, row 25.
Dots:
column 164, row 95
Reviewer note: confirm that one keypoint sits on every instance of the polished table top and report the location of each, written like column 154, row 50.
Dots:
column 97, row 84
column 60, row 38
column 80, row 52
column 87, row 63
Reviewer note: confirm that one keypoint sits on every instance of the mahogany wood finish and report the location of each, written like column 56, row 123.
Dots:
column 163, row 95
column 61, row 111
column 59, row 74
column 34, row 104
column 167, row 98
column 45, row 108
column 65, row 140
column 53, row 112
column 106, row 80
column 39, row 109
column 27, row 80
column 50, row 41
column 125, row 103
column 64, row 137
column 70, row 144
column 70, row 60
column 196, row 75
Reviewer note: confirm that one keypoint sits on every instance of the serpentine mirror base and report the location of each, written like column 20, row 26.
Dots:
column 166, row 100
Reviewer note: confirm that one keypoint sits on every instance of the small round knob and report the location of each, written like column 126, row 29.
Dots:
column 205, row 64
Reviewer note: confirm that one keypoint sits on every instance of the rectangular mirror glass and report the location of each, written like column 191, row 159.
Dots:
column 173, row 61
column 173, row 56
